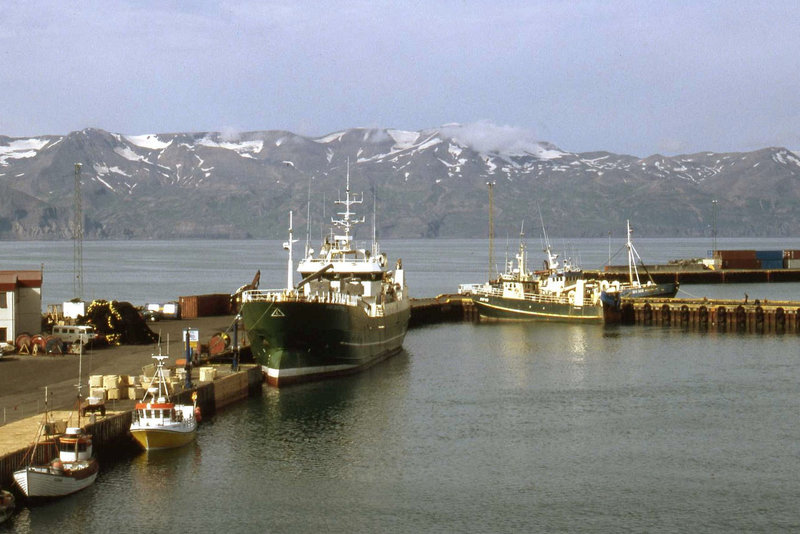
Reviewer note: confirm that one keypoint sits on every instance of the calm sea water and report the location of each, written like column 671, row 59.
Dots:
column 473, row 428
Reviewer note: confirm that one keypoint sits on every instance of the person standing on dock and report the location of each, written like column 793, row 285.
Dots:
column 188, row 365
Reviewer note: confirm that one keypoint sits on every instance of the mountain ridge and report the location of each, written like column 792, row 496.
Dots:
column 427, row 183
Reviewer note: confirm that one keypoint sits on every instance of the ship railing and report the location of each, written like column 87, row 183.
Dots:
column 284, row 295
column 532, row 297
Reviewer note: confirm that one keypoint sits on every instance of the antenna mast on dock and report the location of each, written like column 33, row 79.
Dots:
column 491, row 227
column 77, row 237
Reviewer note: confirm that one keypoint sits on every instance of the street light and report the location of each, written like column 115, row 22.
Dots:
column 714, row 225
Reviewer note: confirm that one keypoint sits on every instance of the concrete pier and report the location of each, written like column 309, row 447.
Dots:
column 668, row 273
column 442, row 309
column 726, row 316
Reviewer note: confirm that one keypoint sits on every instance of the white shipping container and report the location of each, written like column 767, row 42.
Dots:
column 74, row 309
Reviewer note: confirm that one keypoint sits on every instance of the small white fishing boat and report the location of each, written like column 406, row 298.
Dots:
column 159, row 423
column 73, row 468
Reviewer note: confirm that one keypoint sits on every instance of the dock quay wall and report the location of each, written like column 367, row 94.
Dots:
column 725, row 316
column 114, row 428
column 662, row 274
column 442, row 309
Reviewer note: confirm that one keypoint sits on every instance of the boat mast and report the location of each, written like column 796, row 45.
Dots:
column 288, row 246
column 633, row 272
column 552, row 259
column 80, row 372
column 374, row 230
column 308, row 220
column 345, row 221
column 522, row 261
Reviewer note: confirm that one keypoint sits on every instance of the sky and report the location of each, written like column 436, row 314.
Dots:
column 639, row 77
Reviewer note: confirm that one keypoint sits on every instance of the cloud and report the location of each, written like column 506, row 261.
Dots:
column 230, row 134
column 486, row 137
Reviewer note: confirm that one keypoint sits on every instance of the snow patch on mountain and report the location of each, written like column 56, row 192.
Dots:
column 128, row 154
column 243, row 148
column 148, row 141
column 102, row 169
column 336, row 136
column 21, row 148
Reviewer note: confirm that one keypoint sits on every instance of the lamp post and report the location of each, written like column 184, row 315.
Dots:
column 714, row 225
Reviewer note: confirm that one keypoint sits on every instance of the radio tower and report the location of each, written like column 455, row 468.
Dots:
column 77, row 238
column 491, row 228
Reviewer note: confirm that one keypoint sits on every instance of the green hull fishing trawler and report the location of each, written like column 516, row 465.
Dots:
column 348, row 312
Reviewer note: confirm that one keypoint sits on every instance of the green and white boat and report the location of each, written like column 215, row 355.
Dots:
column 348, row 312
column 557, row 293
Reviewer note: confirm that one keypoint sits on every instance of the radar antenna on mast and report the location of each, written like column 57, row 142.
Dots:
column 346, row 222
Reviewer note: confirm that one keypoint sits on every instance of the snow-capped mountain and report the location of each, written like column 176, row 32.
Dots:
column 427, row 183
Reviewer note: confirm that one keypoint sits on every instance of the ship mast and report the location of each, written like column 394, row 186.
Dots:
column 345, row 222
column 288, row 246
column 522, row 261
column 552, row 259
column 633, row 272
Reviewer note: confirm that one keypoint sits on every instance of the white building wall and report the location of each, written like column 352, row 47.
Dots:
column 28, row 310
column 7, row 316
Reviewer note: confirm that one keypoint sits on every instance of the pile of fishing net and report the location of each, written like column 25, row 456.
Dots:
column 120, row 323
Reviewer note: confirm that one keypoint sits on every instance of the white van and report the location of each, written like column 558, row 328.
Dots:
column 74, row 333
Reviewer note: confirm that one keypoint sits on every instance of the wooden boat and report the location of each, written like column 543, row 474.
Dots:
column 6, row 505
column 74, row 467
column 159, row 423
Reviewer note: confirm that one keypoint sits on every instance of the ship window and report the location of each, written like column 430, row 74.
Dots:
column 148, row 413
column 3, row 299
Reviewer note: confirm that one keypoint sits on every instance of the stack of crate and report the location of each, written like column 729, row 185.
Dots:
column 115, row 387
column 96, row 389
column 207, row 374
column 135, row 389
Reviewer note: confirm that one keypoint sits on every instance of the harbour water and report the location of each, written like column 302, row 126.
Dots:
column 472, row 428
